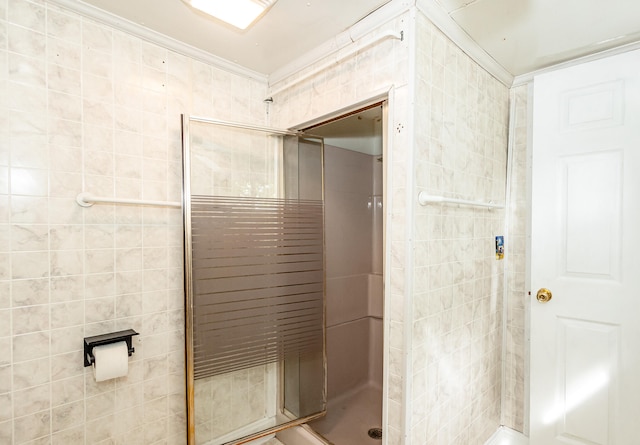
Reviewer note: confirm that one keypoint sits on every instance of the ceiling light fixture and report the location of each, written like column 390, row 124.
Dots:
column 239, row 13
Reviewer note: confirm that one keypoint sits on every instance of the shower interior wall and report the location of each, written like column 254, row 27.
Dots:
column 354, row 279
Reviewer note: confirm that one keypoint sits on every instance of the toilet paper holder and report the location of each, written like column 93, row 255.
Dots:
column 105, row 339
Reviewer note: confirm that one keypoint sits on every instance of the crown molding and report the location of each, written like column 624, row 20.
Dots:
column 433, row 11
column 151, row 36
column 528, row 77
column 443, row 21
column 377, row 18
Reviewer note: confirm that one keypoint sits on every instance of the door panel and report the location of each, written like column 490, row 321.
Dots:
column 585, row 218
column 254, row 280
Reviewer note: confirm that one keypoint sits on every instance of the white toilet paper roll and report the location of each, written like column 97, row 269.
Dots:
column 111, row 361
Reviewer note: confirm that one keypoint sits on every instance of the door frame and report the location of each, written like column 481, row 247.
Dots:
column 386, row 99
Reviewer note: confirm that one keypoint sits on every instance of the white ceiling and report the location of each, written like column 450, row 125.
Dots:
column 527, row 35
column 521, row 35
column 288, row 30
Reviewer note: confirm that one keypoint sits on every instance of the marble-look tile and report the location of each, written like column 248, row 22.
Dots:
column 31, row 400
column 67, row 54
column 30, row 319
column 24, row 41
column 32, row 426
column 30, row 346
column 65, row 106
column 67, row 416
column 25, row 265
column 29, row 237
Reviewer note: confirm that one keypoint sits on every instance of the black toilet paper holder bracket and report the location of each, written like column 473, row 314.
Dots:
column 105, row 339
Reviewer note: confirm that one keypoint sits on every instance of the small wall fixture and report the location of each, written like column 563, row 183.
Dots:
column 105, row 339
column 239, row 13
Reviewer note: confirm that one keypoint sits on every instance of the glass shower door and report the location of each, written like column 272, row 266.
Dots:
column 254, row 280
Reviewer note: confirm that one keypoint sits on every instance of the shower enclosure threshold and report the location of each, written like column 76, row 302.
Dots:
column 350, row 417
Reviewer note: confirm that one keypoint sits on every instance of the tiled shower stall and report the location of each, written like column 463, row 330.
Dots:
column 88, row 107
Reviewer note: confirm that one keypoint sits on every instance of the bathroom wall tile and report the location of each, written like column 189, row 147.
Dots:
column 67, row 288
column 102, row 429
column 26, row 98
column 5, row 407
column 65, row 135
column 66, row 340
column 5, row 266
column 64, row 79
column 6, row 431
column 67, row 416
column 96, row 61
column 27, row 14
column 5, row 351
column 30, row 292
column 32, row 426
column 28, row 209
column 31, row 400
column 99, row 261
column 29, row 265
column 64, row 53
column 31, row 182
column 5, row 294
column 100, row 405
column 67, row 390
column 66, row 262
column 126, row 47
column 25, row 41
column 128, row 396
column 65, row 106
column 29, row 237
column 30, row 346
column 5, row 379
column 30, row 319
column 73, row 435
column 66, row 237
column 67, row 365
column 5, row 322
column 128, row 259
column 4, row 180
column 99, row 309
column 99, row 285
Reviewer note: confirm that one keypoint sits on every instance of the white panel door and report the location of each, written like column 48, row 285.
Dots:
column 585, row 341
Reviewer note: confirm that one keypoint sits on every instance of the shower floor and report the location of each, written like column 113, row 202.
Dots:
column 350, row 416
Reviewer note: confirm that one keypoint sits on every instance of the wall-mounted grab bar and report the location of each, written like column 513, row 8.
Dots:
column 425, row 199
column 87, row 200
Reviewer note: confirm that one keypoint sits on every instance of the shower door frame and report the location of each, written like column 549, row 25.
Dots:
column 188, row 281
column 387, row 100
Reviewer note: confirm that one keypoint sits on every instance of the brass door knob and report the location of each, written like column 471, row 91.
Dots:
column 544, row 295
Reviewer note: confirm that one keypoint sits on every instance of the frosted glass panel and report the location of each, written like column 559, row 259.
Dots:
column 258, row 281
column 254, row 280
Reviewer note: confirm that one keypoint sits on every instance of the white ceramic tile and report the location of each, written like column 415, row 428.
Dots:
column 29, row 237
column 62, row 26
column 31, row 400
column 30, row 319
column 32, row 426
column 67, row 416
column 25, row 41
column 67, row 54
